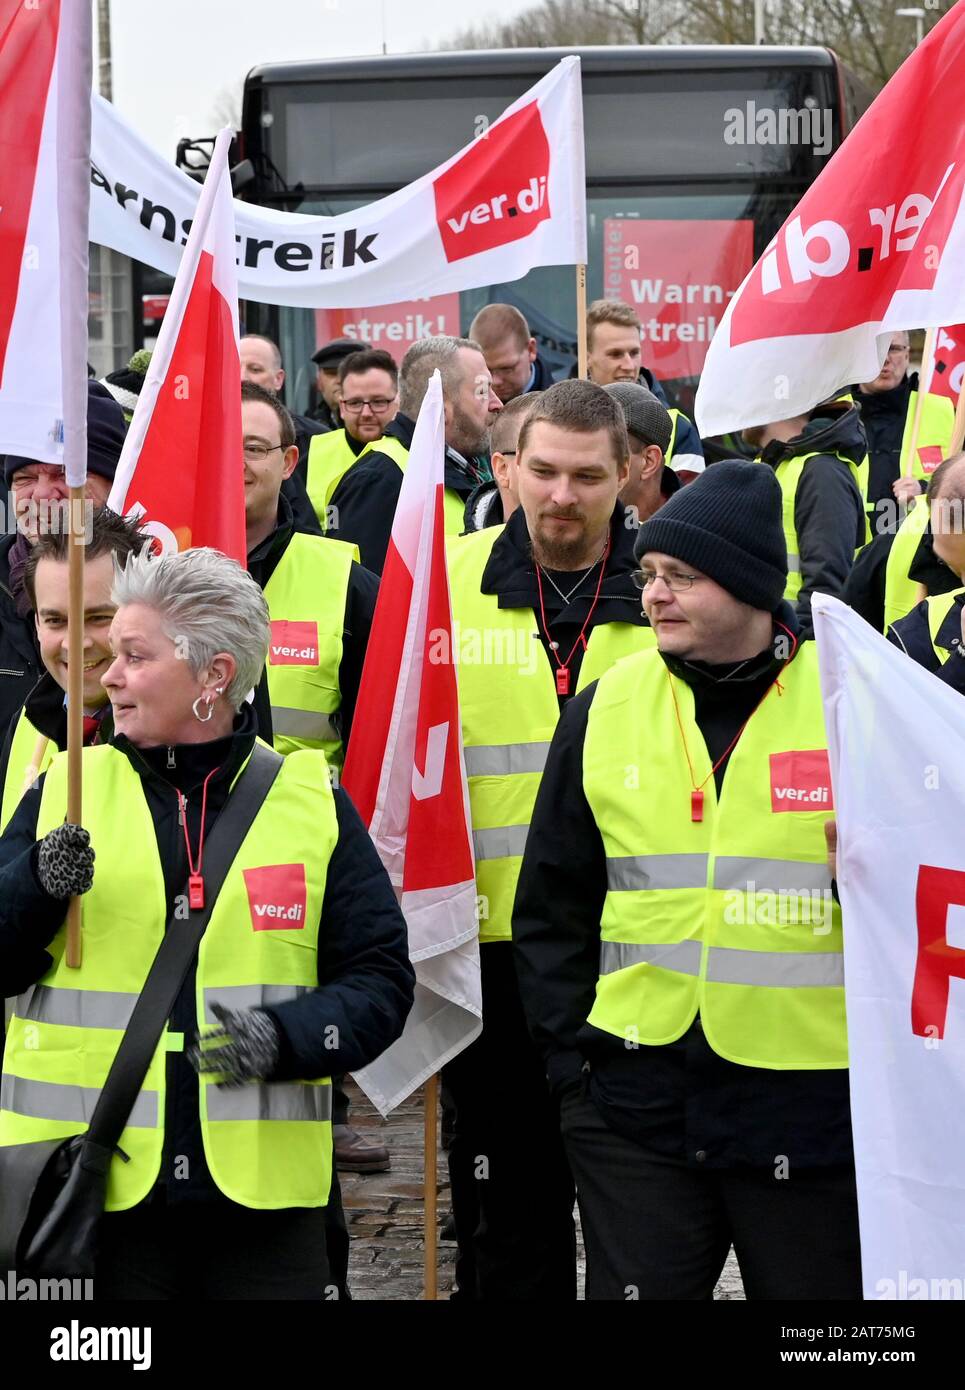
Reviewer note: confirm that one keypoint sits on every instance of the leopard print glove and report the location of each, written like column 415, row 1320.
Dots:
column 65, row 861
column 245, row 1048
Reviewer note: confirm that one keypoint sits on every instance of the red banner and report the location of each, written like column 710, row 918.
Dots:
column 392, row 327
column 680, row 277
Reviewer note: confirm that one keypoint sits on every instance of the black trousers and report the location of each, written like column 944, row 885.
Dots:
column 512, row 1192
column 657, row 1229
column 212, row 1251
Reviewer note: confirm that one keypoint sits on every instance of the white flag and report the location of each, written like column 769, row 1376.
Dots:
column 512, row 199
column 405, row 773
column 897, row 746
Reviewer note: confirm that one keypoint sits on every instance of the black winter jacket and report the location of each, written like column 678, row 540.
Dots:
column 682, row 1100
column 865, row 589
column 365, row 500
column 912, row 636
column 365, row 979
column 828, row 510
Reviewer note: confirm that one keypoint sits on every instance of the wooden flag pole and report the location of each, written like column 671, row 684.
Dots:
column 430, row 1187
column 958, row 429
column 581, row 367
column 75, row 696
column 924, row 379
column 33, row 771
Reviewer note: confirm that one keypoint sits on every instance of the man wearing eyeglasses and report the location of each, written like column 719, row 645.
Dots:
column 368, row 401
column 887, row 407
column 542, row 606
column 676, row 938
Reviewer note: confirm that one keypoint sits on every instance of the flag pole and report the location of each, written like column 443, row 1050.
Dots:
column 581, row 367
column 924, row 380
column 430, row 1187
column 958, row 429
column 75, row 697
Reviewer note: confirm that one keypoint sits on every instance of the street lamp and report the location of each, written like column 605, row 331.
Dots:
column 918, row 15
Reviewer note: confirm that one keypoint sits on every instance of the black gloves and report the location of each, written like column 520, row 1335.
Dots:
column 245, row 1048
column 65, row 861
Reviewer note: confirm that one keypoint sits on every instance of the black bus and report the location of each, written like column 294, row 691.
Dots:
column 694, row 158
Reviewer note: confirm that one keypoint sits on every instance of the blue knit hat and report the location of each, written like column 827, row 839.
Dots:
column 728, row 524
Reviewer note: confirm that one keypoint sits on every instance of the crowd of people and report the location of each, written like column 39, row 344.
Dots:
column 663, row 1036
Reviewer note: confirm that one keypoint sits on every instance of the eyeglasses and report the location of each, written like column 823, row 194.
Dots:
column 255, row 451
column 377, row 405
column 676, row 583
column 897, row 349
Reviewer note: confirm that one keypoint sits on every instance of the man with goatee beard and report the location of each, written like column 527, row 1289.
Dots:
column 542, row 606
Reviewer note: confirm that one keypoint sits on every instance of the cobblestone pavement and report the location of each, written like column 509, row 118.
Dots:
column 384, row 1212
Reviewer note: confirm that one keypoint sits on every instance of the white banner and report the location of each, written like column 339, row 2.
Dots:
column 512, row 199
column 899, row 789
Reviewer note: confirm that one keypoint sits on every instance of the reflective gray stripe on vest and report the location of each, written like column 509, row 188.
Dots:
column 287, row 1100
column 633, row 872
column 302, row 723
column 505, row 759
column 792, row 876
column 682, row 956
column 727, row 966
column 236, row 997
column 76, row 1008
column 47, row 1100
column 501, row 842
column 794, row 564
column 793, row 969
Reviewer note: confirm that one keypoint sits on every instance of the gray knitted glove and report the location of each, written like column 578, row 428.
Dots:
column 245, row 1048
column 65, row 861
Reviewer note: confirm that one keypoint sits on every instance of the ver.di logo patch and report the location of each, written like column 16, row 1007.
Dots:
column 293, row 644
column 277, row 897
column 498, row 192
column 801, row 781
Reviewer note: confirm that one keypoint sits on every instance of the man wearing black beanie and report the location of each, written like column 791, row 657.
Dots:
column 37, row 493
column 677, row 942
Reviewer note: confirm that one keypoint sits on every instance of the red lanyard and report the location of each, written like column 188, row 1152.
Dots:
column 563, row 667
column 195, row 880
column 697, row 794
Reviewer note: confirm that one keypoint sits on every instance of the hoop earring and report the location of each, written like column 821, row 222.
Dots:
column 209, row 706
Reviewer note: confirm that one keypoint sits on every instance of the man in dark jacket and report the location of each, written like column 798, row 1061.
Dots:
column 39, row 492
column 363, row 504
column 887, row 407
column 695, row 1040
column 510, row 352
column 816, row 458
column 327, row 359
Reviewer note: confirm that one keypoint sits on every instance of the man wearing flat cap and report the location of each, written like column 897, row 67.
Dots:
column 328, row 358
column 676, row 937
column 37, row 494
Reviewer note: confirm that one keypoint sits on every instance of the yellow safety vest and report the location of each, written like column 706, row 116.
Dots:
column 453, row 506
column 939, row 608
column 731, row 916
column 330, row 456
column 21, row 772
column 902, row 592
column 509, row 706
column 788, row 474
column 934, row 438
column 306, row 597
column 266, row 1146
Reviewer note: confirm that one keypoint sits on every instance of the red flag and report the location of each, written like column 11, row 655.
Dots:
column 182, row 462
column 876, row 244
column 45, row 78
column 404, row 771
column 948, row 375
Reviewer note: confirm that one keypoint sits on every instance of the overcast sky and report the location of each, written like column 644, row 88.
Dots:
column 172, row 62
